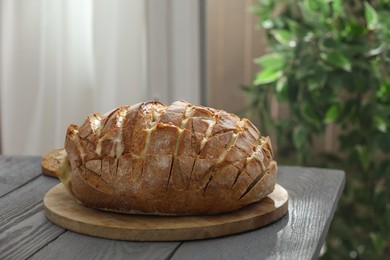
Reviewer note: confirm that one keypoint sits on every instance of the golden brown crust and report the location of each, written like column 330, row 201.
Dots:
column 169, row 160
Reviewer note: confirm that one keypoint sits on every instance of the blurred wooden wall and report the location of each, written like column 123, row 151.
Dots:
column 232, row 42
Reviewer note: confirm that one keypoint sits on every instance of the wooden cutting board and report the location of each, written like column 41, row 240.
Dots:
column 62, row 209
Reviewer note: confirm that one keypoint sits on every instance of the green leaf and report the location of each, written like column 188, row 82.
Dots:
column 312, row 84
column 337, row 60
column 281, row 89
column 383, row 93
column 328, row 43
column 299, row 137
column 371, row 16
column 309, row 114
column 267, row 76
column 317, row 6
column 353, row 30
column 363, row 156
column 256, row 10
column 284, row 37
column 332, row 114
column 337, row 6
column 262, row 12
column 380, row 124
column 374, row 52
column 317, row 78
column 281, row 85
column 295, row 27
column 267, row 24
column 308, row 15
column 272, row 61
column 265, row 2
column 247, row 89
column 378, row 242
column 320, row 75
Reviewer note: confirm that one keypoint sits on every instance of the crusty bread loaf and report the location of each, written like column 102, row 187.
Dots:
column 167, row 160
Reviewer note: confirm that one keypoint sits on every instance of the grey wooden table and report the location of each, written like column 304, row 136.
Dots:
column 26, row 233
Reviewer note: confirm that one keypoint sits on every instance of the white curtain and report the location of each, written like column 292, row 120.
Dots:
column 62, row 60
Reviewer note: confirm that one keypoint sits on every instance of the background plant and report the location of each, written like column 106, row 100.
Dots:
column 329, row 61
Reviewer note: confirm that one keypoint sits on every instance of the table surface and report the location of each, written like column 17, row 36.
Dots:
column 25, row 232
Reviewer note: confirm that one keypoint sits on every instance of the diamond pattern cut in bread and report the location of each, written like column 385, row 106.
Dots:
column 180, row 159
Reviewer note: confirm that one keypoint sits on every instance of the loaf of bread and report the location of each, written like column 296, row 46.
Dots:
column 180, row 159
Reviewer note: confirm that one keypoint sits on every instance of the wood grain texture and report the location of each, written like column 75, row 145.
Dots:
column 25, row 231
column 62, row 209
column 75, row 246
column 313, row 195
column 16, row 171
column 24, row 228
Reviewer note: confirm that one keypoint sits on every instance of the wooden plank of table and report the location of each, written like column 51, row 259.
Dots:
column 24, row 228
column 313, row 194
column 16, row 171
column 71, row 245
column 26, row 232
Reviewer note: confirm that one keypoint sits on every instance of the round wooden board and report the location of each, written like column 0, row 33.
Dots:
column 62, row 209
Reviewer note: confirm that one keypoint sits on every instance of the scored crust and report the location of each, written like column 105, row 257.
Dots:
column 180, row 159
